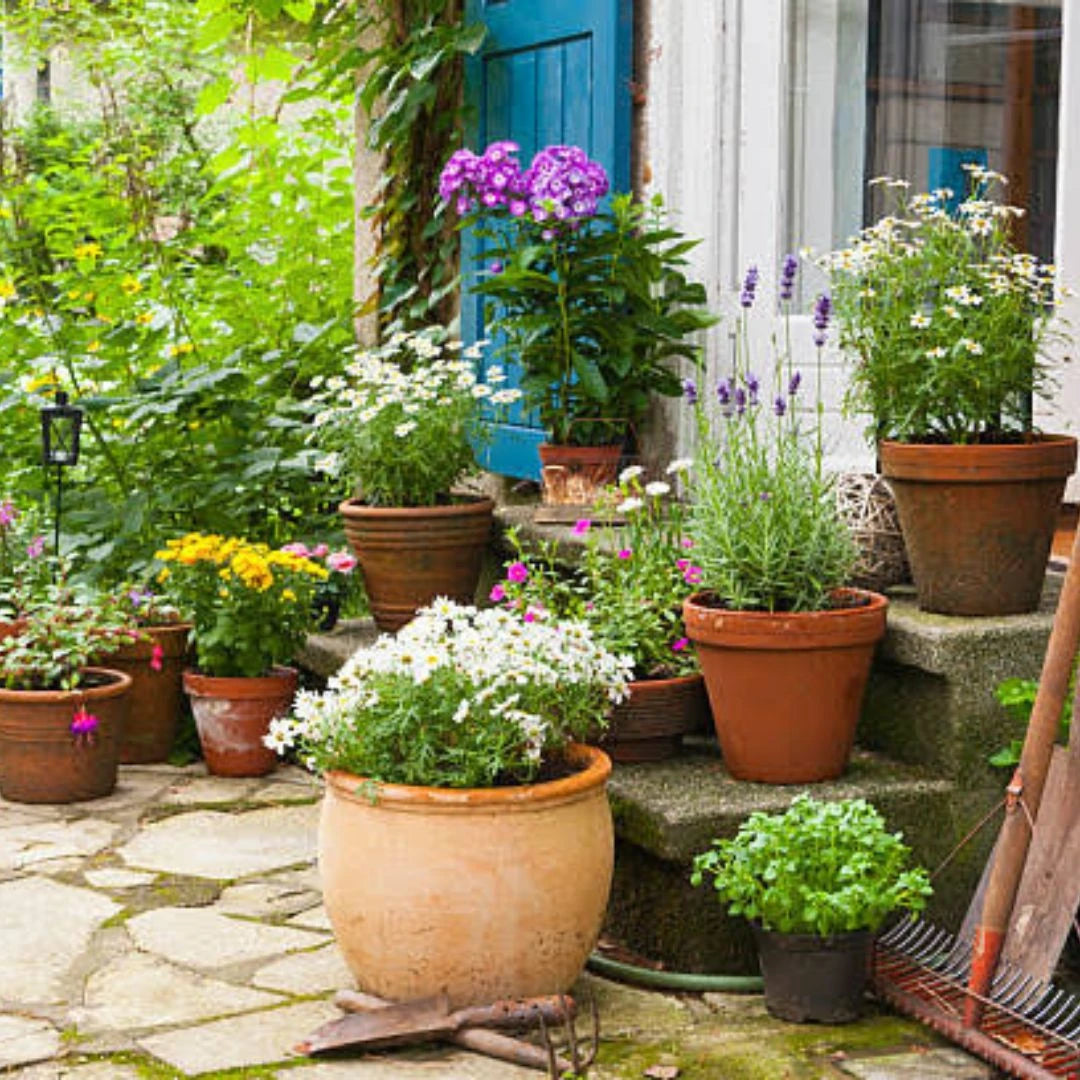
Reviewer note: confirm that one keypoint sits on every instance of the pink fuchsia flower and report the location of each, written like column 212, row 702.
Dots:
column 581, row 527
column 518, row 573
column 297, row 548
column 341, row 561
column 626, row 553
column 497, row 594
column 679, row 644
column 692, row 575
column 157, row 654
column 83, row 723
column 319, row 551
column 36, row 547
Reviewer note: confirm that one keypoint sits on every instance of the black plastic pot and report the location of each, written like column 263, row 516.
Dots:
column 815, row 978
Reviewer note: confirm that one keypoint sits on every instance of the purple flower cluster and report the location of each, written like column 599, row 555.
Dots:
column 562, row 184
column 689, row 388
column 746, row 297
column 787, row 277
column 822, row 311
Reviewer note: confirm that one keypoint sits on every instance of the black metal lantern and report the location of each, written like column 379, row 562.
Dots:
column 61, row 423
column 60, row 427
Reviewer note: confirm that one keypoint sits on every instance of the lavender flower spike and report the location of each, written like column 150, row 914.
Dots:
column 740, row 401
column 787, row 276
column 779, row 405
column 793, row 385
column 746, row 297
column 690, row 391
column 822, row 311
column 753, row 385
column 723, row 391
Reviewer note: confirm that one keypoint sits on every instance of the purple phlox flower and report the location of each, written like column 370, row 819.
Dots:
column 689, row 389
column 563, row 183
column 787, row 276
column 723, row 391
column 495, row 266
column 752, row 387
column 740, row 400
column 36, row 547
column 679, row 644
column 83, row 723
column 517, row 572
column 498, row 593
column 625, row 553
column 822, row 311
column 749, row 288
column 693, row 575
column 582, row 526
column 779, row 405
column 793, row 384
column 8, row 514
column 492, row 180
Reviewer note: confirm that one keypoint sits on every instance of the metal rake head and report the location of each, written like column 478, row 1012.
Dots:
column 578, row 1053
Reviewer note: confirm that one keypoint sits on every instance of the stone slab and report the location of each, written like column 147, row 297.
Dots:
column 44, row 927
column 314, row 918
column 315, row 972
column 211, row 844
column 23, row 1041
column 138, row 991
column 240, row 1042
column 204, row 939
column 263, row 899
column 27, row 845
column 115, row 877
column 324, row 653
column 943, row 1063
column 208, row 790
column 91, row 1070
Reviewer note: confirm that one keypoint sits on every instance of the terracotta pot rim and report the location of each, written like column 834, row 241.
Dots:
column 238, row 685
column 470, row 504
column 119, row 683
column 1046, row 456
column 524, row 797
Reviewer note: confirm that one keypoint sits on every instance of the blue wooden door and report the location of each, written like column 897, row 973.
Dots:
column 551, row 71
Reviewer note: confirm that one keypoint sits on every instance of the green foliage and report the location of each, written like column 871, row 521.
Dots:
column 252, row 607
column 595, row 315
column 946, row 319
column 26, row 571
column 1018, row 698
column 819, row 868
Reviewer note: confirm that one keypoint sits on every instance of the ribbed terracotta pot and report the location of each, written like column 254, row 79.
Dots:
column 233, row 714
column 486, row 894
column 786, row 688
column 41, row 761
column 577, row 475
column 410, row 555
column 978, row 521
column 156, row 691
column 650, row 724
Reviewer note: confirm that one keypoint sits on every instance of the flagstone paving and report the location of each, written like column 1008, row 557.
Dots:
column 176, row 929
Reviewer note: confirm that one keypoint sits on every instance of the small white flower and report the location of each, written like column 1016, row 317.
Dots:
column 328, row 464
column 405, row 428
column 657, row 488
column 628, row 506
column 919, row 321
column 936, row 353
column 631, row 472
column 505, row 397
column 679, row 465
column 972, row 347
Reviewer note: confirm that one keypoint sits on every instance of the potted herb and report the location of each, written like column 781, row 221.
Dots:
column 590, row 299
column 155, row 661
column 816, row 883
column 252, row 608
column 784, row 647
column 451, row 767
column 61, row 719
column 26, row 572
column 948, row 323
column 400, row 428
column 629, row 588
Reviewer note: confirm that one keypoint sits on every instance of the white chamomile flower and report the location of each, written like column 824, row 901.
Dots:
column 657, row 488
column 936, row 353
column 679, row 465
column 628, row 506
column 631, row 472
column 405, row 428
column 920, row 321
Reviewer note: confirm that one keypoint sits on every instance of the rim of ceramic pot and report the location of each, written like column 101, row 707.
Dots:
column 119, row 681
column 1045, row 456
column 469, row 504
column 596, row 768
column 239, row 685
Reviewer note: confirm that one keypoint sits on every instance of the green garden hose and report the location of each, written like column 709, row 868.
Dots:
column 686, row 981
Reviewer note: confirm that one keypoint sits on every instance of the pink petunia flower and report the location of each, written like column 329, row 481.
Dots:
column 297, row 548
column 682, row 564
column 319, row 551
column 157, row 654
column 497, row 594
column 582, row 527
column 679, row 644
column 625, row 553
column 529, row 616
column 693, row 575
column 341, row 561
column 518, row 573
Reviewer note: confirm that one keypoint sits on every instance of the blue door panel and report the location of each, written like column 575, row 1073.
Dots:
column 556, row 71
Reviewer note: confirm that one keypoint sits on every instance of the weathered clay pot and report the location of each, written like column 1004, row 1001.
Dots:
column 650, row 724
column 156, row 695
column 786, row 688
column 486, row 894
column 233, row 714
column 577, row 475
column 41, row 761
column 978, row 521
column 410, row 555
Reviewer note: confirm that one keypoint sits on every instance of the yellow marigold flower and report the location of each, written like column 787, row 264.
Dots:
column 223, row 593
column 194, row 425
column 87, row 251
column 163, row 576
column 288, row 595
column 89, row 297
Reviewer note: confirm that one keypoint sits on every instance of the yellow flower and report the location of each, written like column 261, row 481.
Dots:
column 7, row 290
column 288, row 595
column 94, row 346
column 41, row 382
column 5, row 212
column 131, row 285
column 223, row 593
column 182, row 349
column 74, row 294
column 163, row 576
column 89, row 297
column 194, row 425
column 87, row 251
column 144, row 318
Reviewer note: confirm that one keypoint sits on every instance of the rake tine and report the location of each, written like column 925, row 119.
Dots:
column 905, row 934
column 933, row 947
column 545, row 1034
column 594, row 1040
column 959, row 962
column 1047, row 1011
column 1061, row 1022
column 1009, row 987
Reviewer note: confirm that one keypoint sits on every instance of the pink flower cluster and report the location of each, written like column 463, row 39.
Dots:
column 339, row 561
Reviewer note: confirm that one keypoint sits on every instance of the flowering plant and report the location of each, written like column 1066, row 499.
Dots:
column 339, row 567
column 402, row 421
column 64, row 633
column 764, row 518
column 946, row 318
column 142, row 607
column 593, row 300
column 25, row 569
column 458, row 698
column 629, row 586
column 251, row 606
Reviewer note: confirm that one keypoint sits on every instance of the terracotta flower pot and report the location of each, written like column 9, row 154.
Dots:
column 155, row 691
column 650, row 724
column 786, row 688
column 42, row 760
column 233, row 714
column 485, row 894
column 978, row 521
column 577, row 475
column 410, row 555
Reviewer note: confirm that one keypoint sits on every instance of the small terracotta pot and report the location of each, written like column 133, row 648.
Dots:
column 233, row 714
column 411, row 555
column 577, row 475
column 486, row 894
column 978, row 521
column 41, row 761
column 156, row 695
column 650, row 724
column 786, row 688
